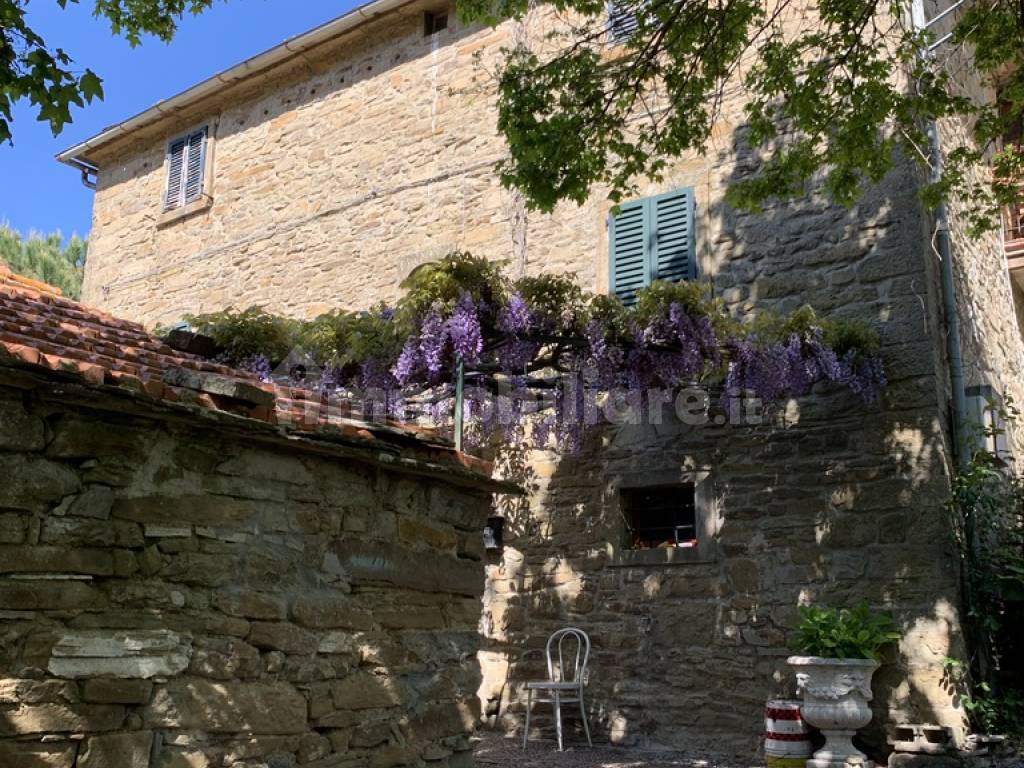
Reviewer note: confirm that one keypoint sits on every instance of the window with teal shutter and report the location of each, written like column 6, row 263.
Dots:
column 652, row 239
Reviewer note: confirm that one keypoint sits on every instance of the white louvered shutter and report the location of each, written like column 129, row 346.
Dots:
column 194, row 167
column 186, row 160
column 175, row 172
column 622, row 20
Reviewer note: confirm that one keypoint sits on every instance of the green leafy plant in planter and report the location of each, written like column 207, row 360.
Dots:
column 842, row 647
column 844, row 633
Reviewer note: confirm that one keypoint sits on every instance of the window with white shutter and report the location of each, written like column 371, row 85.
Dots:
column 622, row 20
column 652, row 239
column 186, row 161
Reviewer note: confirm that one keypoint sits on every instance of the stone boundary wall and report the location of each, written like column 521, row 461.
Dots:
column 175, row 596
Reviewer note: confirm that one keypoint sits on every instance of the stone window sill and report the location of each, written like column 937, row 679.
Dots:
column 645, row 558
column 177, row 214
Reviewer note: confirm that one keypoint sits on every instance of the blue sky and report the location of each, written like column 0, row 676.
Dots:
column 36, row 192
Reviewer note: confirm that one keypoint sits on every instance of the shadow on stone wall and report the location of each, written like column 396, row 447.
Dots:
column 181, row 595
column 831, row 503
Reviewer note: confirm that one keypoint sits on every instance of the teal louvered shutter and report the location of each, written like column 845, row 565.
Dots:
column 186, row 159
column 176, row 151
column 652, row 239
column 628, row 238
column 673, row 248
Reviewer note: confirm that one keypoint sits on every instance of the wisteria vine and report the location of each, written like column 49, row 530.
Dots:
column 542, row 351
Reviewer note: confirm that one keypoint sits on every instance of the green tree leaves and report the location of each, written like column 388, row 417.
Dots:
column 834, row 93
column 46, row 258
column 31, row 69
column 28, row 69
column 134, row 18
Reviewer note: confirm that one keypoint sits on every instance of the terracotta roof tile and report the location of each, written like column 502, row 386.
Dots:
column 41, row 329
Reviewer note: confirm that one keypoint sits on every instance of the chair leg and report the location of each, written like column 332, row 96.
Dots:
column 583, row 714
column 529, row 706
column 558, row 719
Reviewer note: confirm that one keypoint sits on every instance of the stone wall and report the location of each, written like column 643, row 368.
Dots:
column 174, row 595
column 823, row 510
column 330, row 182
column 831, row 503
column 990, row 302
column 334, row 176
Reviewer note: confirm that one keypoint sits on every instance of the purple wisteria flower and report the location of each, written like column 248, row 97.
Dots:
column 543, row 429
column 464, row 330
column 514, row 355
column 825, row 359
column 373, row 374
column 514, row 317
column 864, row 374
column 433, row 335
column 604, row 358
column 765, row 371
column 408, row 360
column 258, row 364
column 790, row 369
column 803, row 372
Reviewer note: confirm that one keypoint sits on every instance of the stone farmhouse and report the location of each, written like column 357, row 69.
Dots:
column 319, row 173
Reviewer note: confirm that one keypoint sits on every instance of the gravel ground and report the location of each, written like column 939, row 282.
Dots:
column 496, row 751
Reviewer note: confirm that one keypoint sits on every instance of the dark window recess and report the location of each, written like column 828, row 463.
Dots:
column 494, row 532
column 661, row 516
column 434, row 21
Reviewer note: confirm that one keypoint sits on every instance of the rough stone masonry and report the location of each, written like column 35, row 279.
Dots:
column 336, row 172
column 175, row 594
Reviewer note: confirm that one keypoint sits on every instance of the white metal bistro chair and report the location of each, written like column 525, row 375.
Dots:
column 565, row 681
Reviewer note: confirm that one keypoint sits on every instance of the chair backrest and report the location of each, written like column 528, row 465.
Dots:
column 568, row 667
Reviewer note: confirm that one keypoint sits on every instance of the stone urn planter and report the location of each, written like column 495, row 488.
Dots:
column 835, row 696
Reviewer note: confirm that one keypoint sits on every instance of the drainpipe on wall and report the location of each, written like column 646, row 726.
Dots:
column 954, row 351
column 944, row 248
column 962, row 450
column 980, row 661
column 88, row 171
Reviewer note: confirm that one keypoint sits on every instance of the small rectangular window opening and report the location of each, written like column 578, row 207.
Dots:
column 434, row 22
column 661, row 516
